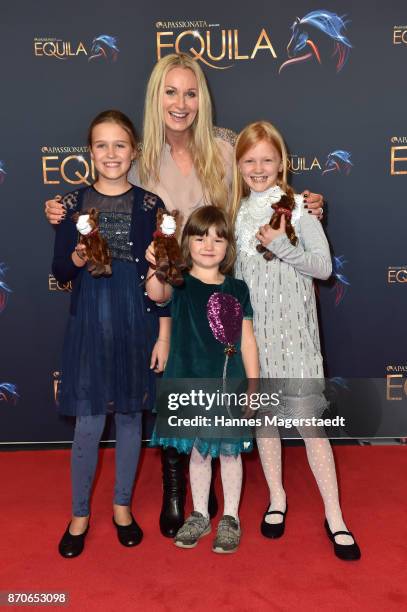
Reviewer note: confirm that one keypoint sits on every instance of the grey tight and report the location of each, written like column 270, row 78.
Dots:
column 84, row 458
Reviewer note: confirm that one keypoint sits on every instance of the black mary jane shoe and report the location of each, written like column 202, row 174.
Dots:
column 129, row 535
column 70, row 545
column 346, row 552
column 273, row 530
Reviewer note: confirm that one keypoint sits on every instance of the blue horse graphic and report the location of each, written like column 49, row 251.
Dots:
column 8, row 392
column 341, row 281
column 338, row 161
column 325, row 22
column 104, row 47
column 2, row 172
column 4, row 288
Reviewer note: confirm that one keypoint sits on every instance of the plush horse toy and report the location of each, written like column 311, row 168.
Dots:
column 283, row 207
column 169, row 262
column 99, row 260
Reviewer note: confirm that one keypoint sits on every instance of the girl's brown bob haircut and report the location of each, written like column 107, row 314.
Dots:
column 117, row 117
column 198, row 224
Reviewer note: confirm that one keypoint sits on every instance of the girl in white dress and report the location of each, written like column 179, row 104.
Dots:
column 281, row 249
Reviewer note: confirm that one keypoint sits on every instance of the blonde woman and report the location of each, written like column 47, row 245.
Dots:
column 187, row 162
column 183, row 157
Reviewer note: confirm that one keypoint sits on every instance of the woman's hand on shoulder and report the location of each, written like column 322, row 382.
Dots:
column 54, row 211
column 314, row 202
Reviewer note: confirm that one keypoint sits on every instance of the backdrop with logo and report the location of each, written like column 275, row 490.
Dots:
column 330, row 76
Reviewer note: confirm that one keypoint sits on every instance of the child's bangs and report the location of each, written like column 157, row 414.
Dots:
column 205, row 218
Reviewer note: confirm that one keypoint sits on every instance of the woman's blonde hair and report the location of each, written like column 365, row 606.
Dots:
column 207, row 158
column 249, row 137
column 198, row 224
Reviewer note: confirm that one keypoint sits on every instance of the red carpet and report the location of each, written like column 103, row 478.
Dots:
column 297, row 572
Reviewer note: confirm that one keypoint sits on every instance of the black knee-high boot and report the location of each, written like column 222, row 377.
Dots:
column 172, row 514
column 174, row 485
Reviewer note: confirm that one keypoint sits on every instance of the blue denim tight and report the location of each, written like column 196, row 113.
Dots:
column 84, row 458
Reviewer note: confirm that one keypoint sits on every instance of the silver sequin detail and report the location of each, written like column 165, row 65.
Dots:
column 283, row 299
column 114, row 220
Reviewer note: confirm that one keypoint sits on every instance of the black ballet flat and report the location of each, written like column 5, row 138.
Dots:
column 70, row 545
column 271, row 530
column 129, row 535
column 346, row 552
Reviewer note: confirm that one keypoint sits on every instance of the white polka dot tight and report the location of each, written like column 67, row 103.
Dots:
column 321, row 461
column 270, row 456
column 322, row 464
column 200, row 472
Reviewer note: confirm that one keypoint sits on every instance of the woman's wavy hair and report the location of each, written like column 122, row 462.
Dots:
column 207, row 158
column 198, row 224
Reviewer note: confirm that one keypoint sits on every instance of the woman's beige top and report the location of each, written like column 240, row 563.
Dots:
column 185, row 193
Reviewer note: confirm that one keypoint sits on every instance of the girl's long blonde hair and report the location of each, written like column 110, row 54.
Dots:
column 249, row 137
column 207, row 158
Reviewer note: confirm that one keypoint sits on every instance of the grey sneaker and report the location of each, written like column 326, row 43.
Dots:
column 227, row 536
column 196, row 526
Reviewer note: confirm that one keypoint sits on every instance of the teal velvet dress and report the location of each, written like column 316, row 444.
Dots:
column 196, row 353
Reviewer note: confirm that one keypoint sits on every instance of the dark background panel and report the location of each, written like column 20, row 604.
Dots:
column 48, row 102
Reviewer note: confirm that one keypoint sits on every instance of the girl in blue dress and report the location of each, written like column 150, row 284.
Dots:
column 116, row 336
column 197, row 350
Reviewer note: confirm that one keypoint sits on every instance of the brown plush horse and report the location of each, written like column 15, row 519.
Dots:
column 283, row 207
column 169, row 262
column 98, row 254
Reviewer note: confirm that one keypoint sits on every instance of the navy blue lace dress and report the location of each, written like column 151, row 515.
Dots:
column 113, row 326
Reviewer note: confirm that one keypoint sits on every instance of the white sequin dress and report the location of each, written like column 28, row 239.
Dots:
column 281, row 290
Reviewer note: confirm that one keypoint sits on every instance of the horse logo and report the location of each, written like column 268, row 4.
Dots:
column 2, row 172
column 338, row 161
column 4, row 288
column 104, row 47
column 341, row 281
column 8, row 393
column 326, row 23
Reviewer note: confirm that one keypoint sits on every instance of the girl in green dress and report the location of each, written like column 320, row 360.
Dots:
column 197, row 350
